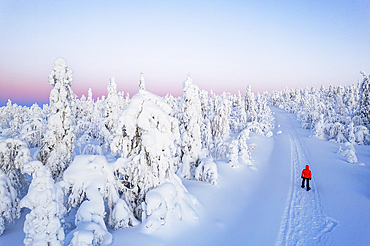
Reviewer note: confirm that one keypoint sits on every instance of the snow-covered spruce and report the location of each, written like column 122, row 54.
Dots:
column 42, row 225
column 13, row 183
column 112, row 106
column 250, row 107
column 364, row 101
column 13, row 154
column 245, row 152
column 33, row 129
column 9, row 207
column 56, row 152
column 220, row 124
column 320, row 129
column 233, row 153
column 145, row 137
column 141, row 82
column 190, row 119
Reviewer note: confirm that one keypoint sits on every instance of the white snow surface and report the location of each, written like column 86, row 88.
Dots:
column 263, row 205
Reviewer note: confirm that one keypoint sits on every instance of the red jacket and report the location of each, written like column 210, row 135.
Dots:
column 306, row 173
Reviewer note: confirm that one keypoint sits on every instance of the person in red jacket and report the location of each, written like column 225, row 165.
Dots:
column 306, row 176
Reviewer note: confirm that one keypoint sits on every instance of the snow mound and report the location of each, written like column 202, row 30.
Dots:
column 168, row 202
column 89, row 233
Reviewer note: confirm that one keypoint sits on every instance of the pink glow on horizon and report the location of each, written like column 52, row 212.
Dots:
column 37, row 90
column 28, row 93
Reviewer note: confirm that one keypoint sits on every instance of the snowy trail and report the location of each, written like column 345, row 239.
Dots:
column 304, row 221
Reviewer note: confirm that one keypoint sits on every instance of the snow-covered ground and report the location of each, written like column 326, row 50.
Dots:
column 263, row 203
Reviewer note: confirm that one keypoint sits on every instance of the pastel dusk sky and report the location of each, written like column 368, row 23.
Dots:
column 224, row 45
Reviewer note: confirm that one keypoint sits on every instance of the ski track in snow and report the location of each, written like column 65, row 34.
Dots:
column 304, row 222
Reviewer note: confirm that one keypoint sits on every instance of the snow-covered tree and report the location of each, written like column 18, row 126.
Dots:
column 233, row 154
column 57, row 150
column 92, row 177
column 190, row 119
column 320, row 129
column 91, row 229
column 83, row 124
column 250, row 106
column 109, row 109
column 340, row 107
column 242, row 118
column 204, row 102
column 220, row 125
column 34, row 128
column 89, row 105
column 96, row 118
column 145, row 137
column 42, row 225
column 141, row 82
column 90, row 185
column 112, row 105
column 362, row 135
column 13, row 118
column 336, row 132
column 350, row 134
column 364, row 103
column 245, row 152
column 207, row 138
column 349, row 153
column 9, row 202
column 13, row 155
column 219, row 148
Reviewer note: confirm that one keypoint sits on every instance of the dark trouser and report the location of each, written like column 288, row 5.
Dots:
column 308, row 183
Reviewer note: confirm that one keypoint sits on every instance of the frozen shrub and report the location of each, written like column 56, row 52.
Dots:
column 349, row 153
column 207, row 171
